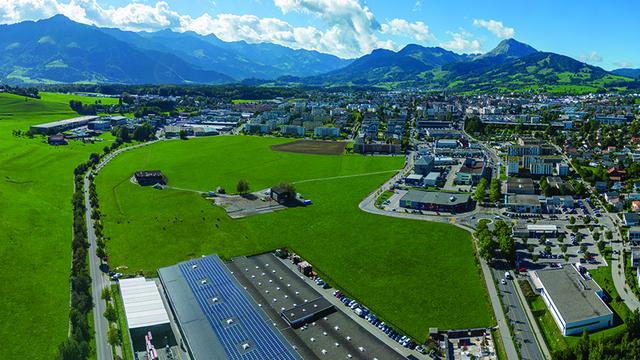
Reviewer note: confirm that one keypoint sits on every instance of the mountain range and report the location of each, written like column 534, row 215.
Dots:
column 59, row 50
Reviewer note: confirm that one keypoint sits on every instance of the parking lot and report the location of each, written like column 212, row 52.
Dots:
column 276, row 287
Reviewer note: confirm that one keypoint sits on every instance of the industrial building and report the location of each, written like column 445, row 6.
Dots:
column 145, row 313
column 216, row 316
column 574, row 299
column 62, row 125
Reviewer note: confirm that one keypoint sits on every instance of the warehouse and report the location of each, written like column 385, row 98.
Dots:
column 62, row 125
column 216, row 316
column 436, row 201
column 150, row 178
column 574, row 299
column 145, row 312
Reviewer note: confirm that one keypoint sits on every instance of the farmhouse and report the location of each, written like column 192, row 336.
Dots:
column 282, row 194
column 436, row 201
column 149, row 178
column 574, row 299
column 57, row 139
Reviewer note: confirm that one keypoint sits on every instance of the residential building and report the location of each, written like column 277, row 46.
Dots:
column 574, row 299
column 634, row 234
column 631, row 219
column 292, row 130
column 326, row 132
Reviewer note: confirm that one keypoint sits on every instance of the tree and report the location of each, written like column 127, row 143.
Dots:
column 495, row 192
column 508, row 248
column 183, row 135
column 71, row 349
column 122, row 133
column 587, row 219
column 113, row 336
column 609, row 235
column 242, row 187
column 106, row 294
column 481, row 188
column 110, row 313
column 487, row 248
column 601, row 245
column 583, row 248
column 563, row 248
column 572, row 220
column 530, row 248
column 596, row 236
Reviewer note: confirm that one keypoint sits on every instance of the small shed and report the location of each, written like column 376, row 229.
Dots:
column 56, row 140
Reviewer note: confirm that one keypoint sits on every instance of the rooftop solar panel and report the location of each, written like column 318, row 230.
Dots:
column 241, row 327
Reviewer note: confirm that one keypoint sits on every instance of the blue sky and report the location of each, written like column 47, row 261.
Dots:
column 600, row 33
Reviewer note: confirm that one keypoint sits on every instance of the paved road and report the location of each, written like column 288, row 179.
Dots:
column 99, row 280
column 517, row 317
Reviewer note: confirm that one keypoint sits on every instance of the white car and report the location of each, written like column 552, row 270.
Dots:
column 503, row 281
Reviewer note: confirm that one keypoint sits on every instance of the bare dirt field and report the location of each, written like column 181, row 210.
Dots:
column 312, row 147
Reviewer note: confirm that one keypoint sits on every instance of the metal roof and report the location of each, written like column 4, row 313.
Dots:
column 142, row 303
column 542, row 227
column 217, row 316
column 573, row 295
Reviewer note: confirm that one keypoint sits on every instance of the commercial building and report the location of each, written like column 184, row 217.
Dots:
column 423, row 165
column 536, row 231
column 62, row 125
column 523, row 204
column 145, row 312
column 99, row 125
column 432, row 179
column 216, row 316
column 447, row 143
column 522, row 186
column 574, row 299
column 471, row 172
column 436, row 201
column 414, row 179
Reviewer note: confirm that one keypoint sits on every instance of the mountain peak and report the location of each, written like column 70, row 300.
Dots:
column 58, row 18
column 511, row 48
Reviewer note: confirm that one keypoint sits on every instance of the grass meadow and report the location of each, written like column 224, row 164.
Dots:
column 36, row 184
column 414, row 274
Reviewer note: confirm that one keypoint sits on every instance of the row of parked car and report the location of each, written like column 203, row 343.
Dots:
column 363, row 312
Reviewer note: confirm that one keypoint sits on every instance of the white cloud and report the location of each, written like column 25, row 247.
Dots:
column 461, row 42
column 591, row 57
column 417, row 30
column 623, row 64
column 496, row 27
column 350, row 30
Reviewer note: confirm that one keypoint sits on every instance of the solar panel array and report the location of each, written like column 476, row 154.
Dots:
column 244, row 331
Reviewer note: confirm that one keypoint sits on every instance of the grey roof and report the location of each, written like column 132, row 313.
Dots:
column 433, row 197
column 197, row 331
column 573, row 295
column 523, row 199
column 72, row 121
column 306, row 310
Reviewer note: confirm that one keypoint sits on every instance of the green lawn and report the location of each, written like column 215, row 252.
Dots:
column 414, row 274
column 36, row 184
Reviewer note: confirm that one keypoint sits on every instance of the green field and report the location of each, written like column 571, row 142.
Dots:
column 414, row 274
column 36, row 183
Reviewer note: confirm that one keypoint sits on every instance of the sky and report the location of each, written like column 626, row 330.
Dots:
column 604, row 34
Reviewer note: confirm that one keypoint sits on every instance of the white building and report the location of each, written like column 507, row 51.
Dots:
column 574, row 299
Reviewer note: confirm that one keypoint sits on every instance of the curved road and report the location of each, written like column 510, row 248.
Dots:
column 99, row 280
